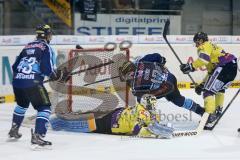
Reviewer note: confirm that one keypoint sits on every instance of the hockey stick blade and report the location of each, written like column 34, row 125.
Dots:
column 229, row 104
column 195, row 132
column 165, row 30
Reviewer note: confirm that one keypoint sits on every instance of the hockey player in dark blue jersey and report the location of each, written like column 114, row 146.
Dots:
column 35, row 61
column 149, row 75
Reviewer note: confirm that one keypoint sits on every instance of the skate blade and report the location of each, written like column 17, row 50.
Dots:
column 12, row 139
column 36, row 147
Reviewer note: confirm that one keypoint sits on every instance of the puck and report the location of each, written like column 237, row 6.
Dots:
column 238, row 130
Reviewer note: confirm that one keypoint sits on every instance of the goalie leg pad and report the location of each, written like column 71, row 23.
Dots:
column 79, row 125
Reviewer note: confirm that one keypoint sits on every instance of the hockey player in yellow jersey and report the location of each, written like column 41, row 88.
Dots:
column 221, row 71
column 134, row 120
column 141, row 120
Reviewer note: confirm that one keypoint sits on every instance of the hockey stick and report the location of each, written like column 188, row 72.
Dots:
column 175, row 134
column 84, row 70
column 165, row 30
column 102, row 80
column 229, row 104
column 90, row 68
column 195, row 132
column 238, row 64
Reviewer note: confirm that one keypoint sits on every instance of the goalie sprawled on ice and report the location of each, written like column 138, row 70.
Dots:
column 141, row 120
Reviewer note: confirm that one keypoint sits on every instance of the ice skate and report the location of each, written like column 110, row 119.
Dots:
column 37, row 143
column 213, row 118
column 13, row 133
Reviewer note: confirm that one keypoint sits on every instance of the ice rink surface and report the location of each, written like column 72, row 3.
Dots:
column 222, row 143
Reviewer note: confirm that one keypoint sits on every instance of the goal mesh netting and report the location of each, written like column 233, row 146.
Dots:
column 99, row 98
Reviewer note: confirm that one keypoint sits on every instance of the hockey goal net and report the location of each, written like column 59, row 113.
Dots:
column 81, row 94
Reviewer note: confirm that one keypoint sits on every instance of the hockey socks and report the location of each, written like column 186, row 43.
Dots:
column 192, row 106
column 42, row 121
column 18, row 115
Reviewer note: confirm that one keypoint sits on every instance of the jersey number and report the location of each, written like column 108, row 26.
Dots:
column 158, row 76
column 26, row 65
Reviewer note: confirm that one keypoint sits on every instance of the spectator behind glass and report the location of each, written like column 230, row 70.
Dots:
column 123, row 4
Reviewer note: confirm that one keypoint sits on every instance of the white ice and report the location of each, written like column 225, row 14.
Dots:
column 222, row 143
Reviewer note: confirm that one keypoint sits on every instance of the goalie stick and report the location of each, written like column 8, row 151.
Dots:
column 202, row 123
column 175, row 134
column 165, row 30
column 186, row 133
column 195, row 132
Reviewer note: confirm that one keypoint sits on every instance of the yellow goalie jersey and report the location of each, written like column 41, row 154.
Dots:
column 133, row 120
column 211, row 56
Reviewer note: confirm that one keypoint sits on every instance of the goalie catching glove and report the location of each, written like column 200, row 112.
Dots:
column 60, row 75
column 187, row 68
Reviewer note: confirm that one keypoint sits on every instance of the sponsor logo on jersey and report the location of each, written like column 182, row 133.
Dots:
column 24, row 76
column 30, row 51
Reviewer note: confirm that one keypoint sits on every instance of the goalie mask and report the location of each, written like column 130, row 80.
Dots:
column 149, row 101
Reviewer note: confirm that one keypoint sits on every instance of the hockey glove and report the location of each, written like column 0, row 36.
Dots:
column 199, row 88
column 60, row 75
column 187, row 68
